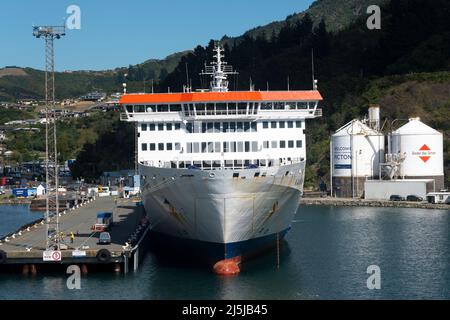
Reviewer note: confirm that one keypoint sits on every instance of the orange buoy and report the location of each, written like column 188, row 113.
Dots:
column 228, row 267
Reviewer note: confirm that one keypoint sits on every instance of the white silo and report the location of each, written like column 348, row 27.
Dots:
column 422, row 147
column 356, row 152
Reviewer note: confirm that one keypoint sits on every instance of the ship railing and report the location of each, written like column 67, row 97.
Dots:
column 235, row 164
column 318, row 112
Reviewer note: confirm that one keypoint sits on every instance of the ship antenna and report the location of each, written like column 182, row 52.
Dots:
column 219, row 71
column 314, row 81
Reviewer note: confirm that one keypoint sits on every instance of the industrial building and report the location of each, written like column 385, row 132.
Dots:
column 357, row 149
column 412, row 165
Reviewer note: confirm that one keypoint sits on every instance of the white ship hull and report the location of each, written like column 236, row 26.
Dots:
column 218, row 214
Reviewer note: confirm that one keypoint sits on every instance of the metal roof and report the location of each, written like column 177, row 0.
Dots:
column 230, row 96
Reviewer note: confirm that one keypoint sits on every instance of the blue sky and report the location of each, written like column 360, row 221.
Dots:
column 118, row 33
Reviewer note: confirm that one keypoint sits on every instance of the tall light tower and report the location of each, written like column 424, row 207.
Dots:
column 49, row 34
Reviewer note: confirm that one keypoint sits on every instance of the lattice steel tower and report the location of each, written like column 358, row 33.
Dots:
column 52, row 236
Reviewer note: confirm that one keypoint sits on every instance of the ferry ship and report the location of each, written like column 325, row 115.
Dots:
column 221, row 171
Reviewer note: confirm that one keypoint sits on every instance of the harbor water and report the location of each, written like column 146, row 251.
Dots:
column 325, row 256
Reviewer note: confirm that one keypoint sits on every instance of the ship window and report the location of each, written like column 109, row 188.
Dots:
column 290, row 105
column 273, row 124
column 177, row 146
column 221, row 108
column 231, row 108
column 232, row 126
column 210, row 147
column 299, row 143
column 302, row 105
column 246, row 163
column 200, row 106
column 274, row 144
column 239, row 127
column 229, row 163
column 247, row 146
column 262, row 163
column 198, row 164
column 150, row 108
column 207, row 164
column 152, row 146
column 290, row 143
column 189, row 147
column 278, row 106
column 139, row 108
column 181, row 164
column 236, row 175
column 144, row 147
column 163, row 108
column 247, row 126
column 216, row 126
column 290, row 124
column 242, row 106
column 160, row 126
column 151, row 127
column 177, row 126
column 216, row 146
column 266, row 144
column 210, row 126
column 129, row 109
column 203, row 127
column 175, row 107
column 196, row 147
column 169, row 146
column 189, row 127
column 225, row 127
column 298, row 124
column 240, row 146
column 143, row 127
column 169, row 127
column 238, row 163
column 266, row 106
column 226, row 146
column 254, row 146
column 265, row 125
column 233, row 146
column 253, row 127
column 161, row 146
column 282, row 144
column 204, row 147
column 282, row 124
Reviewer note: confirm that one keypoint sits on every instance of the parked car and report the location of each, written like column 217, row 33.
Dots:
column 396, row 197
column 104, row 238
column 413, row 197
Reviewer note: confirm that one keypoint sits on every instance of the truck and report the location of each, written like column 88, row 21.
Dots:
column 104, row 221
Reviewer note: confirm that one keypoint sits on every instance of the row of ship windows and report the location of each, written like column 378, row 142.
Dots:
column 221, row 126
column 219, row 106
column 217, row 147
column 160, row 126
column 281, row 124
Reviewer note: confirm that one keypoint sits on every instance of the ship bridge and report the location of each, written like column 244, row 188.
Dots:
column 189, row 106
column 221, row 129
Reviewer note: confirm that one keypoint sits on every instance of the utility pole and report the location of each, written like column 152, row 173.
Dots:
column 49, row 34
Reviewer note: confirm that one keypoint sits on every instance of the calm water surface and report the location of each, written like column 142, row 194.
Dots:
column 325, row 256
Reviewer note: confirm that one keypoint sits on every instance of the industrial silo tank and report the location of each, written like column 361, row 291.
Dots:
column 423, row 150
column 356, row 153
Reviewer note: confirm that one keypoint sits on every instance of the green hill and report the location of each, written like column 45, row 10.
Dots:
column 19, row 83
